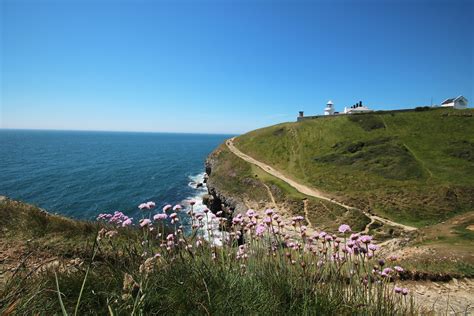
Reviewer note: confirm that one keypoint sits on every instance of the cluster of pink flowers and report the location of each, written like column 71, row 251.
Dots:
column 117, row 218
column 301, row 246
column 147, row 206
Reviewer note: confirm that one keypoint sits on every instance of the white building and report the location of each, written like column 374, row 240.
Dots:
column 329, row 110
column 459, row 103
column 357, row 108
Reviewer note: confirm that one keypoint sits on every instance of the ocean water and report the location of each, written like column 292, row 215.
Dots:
column 82, row 174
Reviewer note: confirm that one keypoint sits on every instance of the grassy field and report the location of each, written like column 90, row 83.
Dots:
column 51, row 265
column 241, row 179
column 414, row 167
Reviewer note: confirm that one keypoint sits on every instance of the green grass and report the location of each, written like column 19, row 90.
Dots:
column 241, row 179
column 125, row 278
column 413, row 167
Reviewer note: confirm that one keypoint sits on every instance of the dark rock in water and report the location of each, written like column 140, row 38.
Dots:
column 207, row 200
column 199, row 185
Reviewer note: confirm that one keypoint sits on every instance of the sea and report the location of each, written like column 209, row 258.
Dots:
column 81, row 174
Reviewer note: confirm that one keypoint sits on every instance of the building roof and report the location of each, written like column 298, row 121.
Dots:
column 329, row 102
column 451, row 100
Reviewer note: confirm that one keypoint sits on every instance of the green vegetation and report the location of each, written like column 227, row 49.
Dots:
column 412, row 167
column 118, row 271
column 243, row 180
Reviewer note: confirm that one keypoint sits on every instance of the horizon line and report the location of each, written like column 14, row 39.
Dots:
column 111, row 131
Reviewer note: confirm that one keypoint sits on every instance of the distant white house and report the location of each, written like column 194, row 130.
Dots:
column 357, row 108
column 459, row 103
column 329, row 110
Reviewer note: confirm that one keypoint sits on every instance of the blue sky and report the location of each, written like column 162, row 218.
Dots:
column 224, row 66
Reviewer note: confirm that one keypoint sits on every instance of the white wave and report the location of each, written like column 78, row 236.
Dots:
column 211, row 230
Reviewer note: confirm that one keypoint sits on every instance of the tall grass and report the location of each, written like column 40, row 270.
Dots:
column 262, row 265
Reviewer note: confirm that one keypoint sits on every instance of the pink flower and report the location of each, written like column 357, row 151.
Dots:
column 173, row 215
column 260, row 230
column 322, row 234
column 355, row 236
column 387, row 271
column 145, row 222
column 167, row 207
column 192, row 202
column 398, row 290
column 250, row 213
column 269, row 212
column 398, row 268
column 344, row 228
column 127, row 222
column 237, row 220
column 177, row 207
column 144, row 206
column 160, row 217
column 405, row 291
column 298, row 218
column 170, row 237
column 366, row 239
column 151, row 204
column 267, row 220
column 373, row 247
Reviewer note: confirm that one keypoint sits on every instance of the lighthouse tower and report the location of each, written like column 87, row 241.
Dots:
column 329, row 110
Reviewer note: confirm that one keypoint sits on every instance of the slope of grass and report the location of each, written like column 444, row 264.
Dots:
column 413, row 167
column 128, row 277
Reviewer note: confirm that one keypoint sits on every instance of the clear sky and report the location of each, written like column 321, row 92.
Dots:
column 225, row 66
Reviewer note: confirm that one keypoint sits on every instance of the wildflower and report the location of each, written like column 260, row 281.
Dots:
column 373, row 247
column 397, row 289
column 398, row 269
column 269, row 212
column 344, row 228
column 167, row 207
column 177, row 208
column 387, row 271
column 355, row 237
column 298, row 219
column 237, row 220
column 267, row 220
column 145, row 222
column 173, row 215
column 160, row 217
column 151, row 204
column 251, row 213
column 322, row 234
column 366, row 239
column 144, row 206
column 381, row 262
column 260, row 230
column 219, row 213
column 192, row 202
column 127, row 222
column 405, row 291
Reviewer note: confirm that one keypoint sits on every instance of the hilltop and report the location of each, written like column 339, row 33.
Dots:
column 412, row 168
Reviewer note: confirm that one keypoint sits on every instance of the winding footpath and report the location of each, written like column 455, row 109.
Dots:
column 307, row 190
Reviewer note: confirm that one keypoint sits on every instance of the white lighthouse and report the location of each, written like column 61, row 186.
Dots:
column 329, row 110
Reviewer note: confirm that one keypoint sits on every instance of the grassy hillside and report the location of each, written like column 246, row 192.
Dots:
column 51, row 265
column 413, row 167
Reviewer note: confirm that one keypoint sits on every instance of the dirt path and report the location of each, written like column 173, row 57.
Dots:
column 270, row 194
column 307, row 190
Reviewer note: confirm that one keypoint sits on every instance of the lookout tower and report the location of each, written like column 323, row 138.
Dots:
column 329, row 110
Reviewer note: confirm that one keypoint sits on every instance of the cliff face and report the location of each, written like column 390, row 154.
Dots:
column 218, row 198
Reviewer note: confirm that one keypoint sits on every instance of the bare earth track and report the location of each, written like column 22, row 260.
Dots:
column 435, row 298
column 307, row 190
